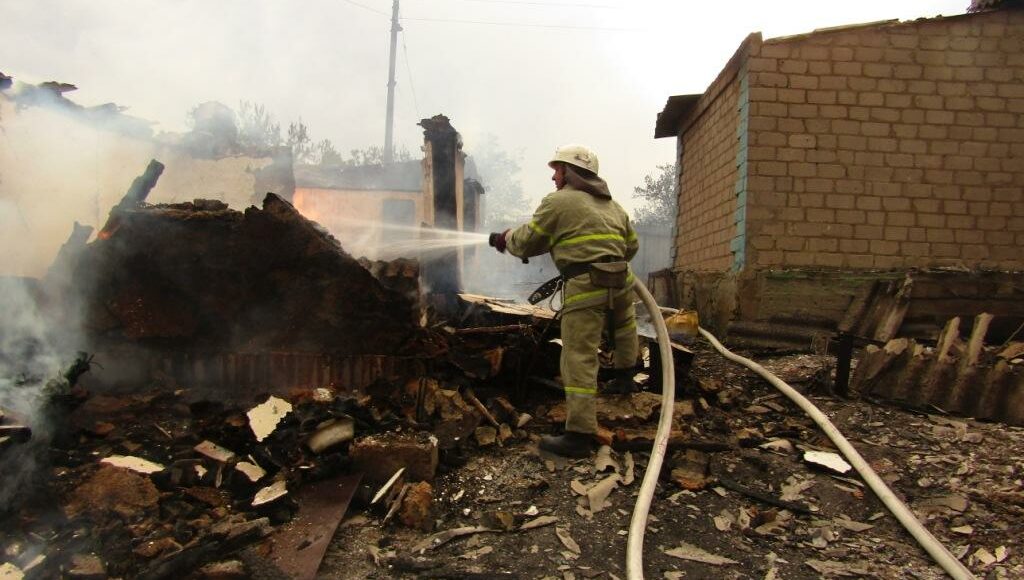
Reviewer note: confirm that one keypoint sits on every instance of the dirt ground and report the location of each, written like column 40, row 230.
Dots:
column 962, row 478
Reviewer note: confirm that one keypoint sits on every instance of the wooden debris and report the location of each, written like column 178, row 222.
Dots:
column 828, row 568
column 968, row 379
column 567, row 541
column 754, row 494
column 598, row 493
column 627, row 479
column 384, row 489
column 468, row 394
column 538, row 523
column 603, row 460
column 331, row 433
column 690, row 552
column 272, row 492
column 395, row 504
column 441, row 538
column 251, row 470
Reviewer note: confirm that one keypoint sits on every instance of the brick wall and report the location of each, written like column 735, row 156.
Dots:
column 883, row 146
column 707, row 200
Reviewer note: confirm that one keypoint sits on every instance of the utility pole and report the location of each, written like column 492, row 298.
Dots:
column 390, row 121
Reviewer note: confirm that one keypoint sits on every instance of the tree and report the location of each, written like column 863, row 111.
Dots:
column 300, row 142
column 505, row 202
column 257, row 128
column 659, row 196
column 326, row 155
column 374, row 155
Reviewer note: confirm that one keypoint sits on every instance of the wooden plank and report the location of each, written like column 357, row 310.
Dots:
column 912, row 374
column 958, row 399
column 859, row 304
column 941, row 368
column 890, row 323
column 875, row 362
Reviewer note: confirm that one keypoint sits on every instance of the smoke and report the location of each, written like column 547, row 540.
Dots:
column 61, row 163
column 33, row 351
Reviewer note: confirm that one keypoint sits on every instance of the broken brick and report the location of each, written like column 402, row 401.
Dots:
column 689, row 469
column 416, row 511
column 485, row 436
column 87, row 567
column 380, row 456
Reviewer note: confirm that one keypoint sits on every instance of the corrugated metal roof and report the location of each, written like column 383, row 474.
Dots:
column 675, row 109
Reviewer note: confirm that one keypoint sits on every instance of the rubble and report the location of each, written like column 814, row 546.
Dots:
column 967, row 378
column 331, row 433
column 379, row 456
column 87, row 567
column 136, row 464
column 826, row 460
column 297, row 548
column 690, row 552
column 113, row 490
column 263, row 418
column 447, row 440
column 417, row 507
column 272, row 492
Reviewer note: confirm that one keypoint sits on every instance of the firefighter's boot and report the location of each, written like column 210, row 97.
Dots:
column 621, row 383
column 571, row 444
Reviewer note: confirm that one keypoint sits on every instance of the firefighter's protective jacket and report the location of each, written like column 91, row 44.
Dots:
column 577, row 227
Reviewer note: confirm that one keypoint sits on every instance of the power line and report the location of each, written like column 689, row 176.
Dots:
column 408, row 70
column 365, row 7
column 552, row 4
column 526, row 25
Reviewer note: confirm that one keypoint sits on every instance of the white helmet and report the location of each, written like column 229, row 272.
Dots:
column 577, row 155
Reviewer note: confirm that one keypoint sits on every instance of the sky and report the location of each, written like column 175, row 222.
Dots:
column 536, row 74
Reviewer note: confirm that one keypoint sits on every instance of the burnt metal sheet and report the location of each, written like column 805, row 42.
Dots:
column 298, row 547
column 501, row 306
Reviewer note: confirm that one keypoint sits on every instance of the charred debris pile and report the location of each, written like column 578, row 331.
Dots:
column 237, row 359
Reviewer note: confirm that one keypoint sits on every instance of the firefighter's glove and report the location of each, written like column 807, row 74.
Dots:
column 497, row 241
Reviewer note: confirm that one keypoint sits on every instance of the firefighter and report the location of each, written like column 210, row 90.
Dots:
column 591, row 241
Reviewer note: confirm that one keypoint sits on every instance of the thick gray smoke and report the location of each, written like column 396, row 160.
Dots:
column 34, row 351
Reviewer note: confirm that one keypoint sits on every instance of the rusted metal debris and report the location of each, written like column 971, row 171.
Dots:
column 298, row 547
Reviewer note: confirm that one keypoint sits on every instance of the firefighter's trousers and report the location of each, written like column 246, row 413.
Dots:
column 582, row 325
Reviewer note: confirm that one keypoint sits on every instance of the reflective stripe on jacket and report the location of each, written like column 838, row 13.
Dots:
column 576, row 227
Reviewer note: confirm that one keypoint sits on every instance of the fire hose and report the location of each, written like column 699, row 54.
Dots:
column 638, row 522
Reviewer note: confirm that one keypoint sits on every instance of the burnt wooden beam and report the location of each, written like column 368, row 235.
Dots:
column 137, row 193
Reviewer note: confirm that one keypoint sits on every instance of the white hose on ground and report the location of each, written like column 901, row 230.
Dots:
column 634, row 549
column 638, row 523
column 935, row 549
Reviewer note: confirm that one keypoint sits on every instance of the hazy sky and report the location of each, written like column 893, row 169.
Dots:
column 535, row 74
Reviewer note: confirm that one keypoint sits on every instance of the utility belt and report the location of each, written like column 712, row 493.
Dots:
column 608, row 272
